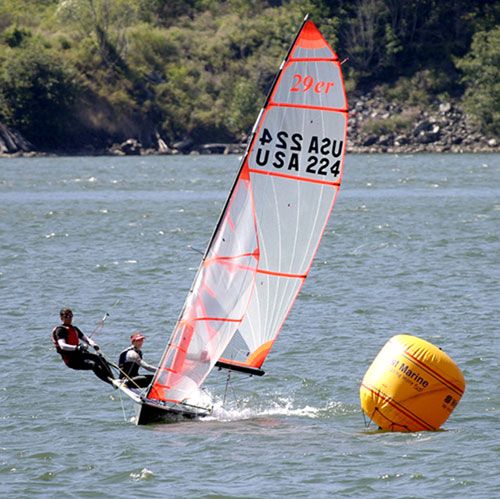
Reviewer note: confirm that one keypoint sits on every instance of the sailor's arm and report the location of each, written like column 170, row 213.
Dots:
column 60, row 336
column 146, row 366
column 66, row 347
column 88, row 340
column 133, row 356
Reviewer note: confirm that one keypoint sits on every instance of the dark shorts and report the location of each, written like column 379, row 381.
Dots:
column 86, row 361
column 81, row 360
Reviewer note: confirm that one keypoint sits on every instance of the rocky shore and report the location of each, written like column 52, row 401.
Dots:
column 13, row 143
column 375, row 126
column 378, row 126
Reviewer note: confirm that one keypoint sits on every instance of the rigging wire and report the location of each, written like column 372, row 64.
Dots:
column 228, row 381
column 125, row 375
column 123, row 406
column 229, row 385
column 394, row 425
column 99, row 327
column 100, row 324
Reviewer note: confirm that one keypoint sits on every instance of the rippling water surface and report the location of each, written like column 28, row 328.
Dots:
column 412, row 246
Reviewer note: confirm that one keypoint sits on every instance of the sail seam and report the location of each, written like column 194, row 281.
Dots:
column 304, row 106
column 217, row 319
column 294, row 177
column 231, row 257
column 281, row 274
column 313, row 59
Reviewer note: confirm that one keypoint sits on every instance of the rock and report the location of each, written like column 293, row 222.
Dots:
column 184, row 146
column 131, row 147
column 492, row 142
column 370, row 140
column 12, row 142
column 384, row 140
column 235, row 148
column 162, row 145
column 401, row 140
column 427, row 137
column 444, row 107
column 213, row 148
column 422, row 126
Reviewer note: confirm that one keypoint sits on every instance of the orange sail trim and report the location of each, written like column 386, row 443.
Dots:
column 231, row 258
column 244, row 173
column 180, row 354
column 317, row 108
column 311, row 38
column 257, row 358
column 313, row 59
column 215, row 319
column 294, row 177
column 281, row 274
column 229, row 264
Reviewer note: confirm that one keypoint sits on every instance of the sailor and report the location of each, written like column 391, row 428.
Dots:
column 73, row 346
column 131, row 359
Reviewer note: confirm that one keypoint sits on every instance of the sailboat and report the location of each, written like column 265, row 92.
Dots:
column 268, row 233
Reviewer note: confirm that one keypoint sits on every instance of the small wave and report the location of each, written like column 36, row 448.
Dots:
column 281, row 407
column 144, row 474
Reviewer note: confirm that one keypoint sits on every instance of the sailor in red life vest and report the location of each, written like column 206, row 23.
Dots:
column 72, row 345
column 131, row 359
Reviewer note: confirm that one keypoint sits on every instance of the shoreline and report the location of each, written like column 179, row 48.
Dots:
column 239, row 149
column 356, row 150
column 375, row 126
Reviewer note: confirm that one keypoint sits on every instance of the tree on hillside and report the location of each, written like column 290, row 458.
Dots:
column 37, row 93
column 107, row 20
column 481, row 75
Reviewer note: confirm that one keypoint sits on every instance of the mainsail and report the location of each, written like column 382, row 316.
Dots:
column 270, row 228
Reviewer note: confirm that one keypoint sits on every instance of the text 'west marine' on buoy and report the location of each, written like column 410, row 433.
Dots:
column 411, row 385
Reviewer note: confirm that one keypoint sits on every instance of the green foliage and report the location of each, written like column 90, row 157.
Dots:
column 243, row 106
column 387, row 39
column 37, row 93
column 399, row 124
column 202, row 68
column 105, row 21
column 481, row 75
column 148, row 48
column 15, row 36
column 419, row 89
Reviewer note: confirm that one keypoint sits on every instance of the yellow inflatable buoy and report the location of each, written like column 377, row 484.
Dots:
column 411, row 386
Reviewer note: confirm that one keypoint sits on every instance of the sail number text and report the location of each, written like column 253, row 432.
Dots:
column 306, row 83
column 320, row 159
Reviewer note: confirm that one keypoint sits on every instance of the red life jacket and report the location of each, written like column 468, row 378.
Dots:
column 71, row 339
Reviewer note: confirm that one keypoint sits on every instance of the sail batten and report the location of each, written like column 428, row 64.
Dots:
column 281, row 274
column 304, row 106
column 270, row 228
column 284, row 175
